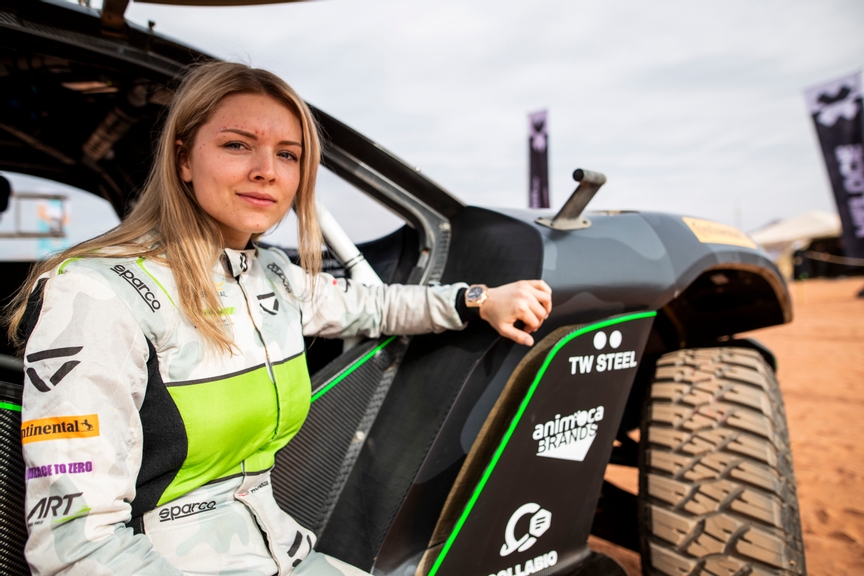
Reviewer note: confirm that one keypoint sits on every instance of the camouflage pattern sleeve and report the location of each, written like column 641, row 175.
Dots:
column 342, row 308
column 85, row 378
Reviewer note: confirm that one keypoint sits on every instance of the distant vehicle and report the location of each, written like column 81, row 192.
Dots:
column 461, row 453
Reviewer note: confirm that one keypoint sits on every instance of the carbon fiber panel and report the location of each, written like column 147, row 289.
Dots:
column 13, row 531
column 311, row 470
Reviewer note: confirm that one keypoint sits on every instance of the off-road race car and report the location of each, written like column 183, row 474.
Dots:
column 463, row 454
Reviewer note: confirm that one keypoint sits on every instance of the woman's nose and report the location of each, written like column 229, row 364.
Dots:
column 264, row 168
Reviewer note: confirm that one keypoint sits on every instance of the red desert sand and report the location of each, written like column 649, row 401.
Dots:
column 820, row 358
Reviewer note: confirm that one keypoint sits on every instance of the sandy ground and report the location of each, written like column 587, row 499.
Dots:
column 821, row 371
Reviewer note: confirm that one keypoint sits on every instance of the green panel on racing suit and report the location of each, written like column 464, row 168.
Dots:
column 216, row 450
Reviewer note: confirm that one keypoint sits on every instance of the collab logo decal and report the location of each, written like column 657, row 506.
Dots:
column 531, row 566
column 538, row 525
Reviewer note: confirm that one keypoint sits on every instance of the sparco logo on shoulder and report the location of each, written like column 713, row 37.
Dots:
column 143, row 290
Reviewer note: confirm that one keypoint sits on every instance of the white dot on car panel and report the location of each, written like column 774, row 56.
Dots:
column 599, row 340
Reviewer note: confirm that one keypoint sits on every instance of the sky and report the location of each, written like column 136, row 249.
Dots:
column 687, row 107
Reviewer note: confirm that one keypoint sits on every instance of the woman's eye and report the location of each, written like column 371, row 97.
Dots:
column 235, row 145
column 288, row 155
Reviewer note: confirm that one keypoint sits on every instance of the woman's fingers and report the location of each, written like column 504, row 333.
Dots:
column 543, row 293
column 518, row 336
column 538, row 310
column 528, row 301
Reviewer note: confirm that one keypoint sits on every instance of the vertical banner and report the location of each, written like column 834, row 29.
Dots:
column 538, row 147
column 836, row 109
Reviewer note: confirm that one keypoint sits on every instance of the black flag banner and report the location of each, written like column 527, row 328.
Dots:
column 836, row 109
column 538, row 150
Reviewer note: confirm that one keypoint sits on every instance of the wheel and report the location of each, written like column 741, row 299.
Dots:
column 716, row 488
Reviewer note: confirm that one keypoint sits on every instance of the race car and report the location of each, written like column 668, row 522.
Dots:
column 462, row 453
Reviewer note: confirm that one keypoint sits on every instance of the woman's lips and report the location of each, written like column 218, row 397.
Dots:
column 257, row 198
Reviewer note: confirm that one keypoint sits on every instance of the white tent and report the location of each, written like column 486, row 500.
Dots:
column 802, row 228
column 781, row 239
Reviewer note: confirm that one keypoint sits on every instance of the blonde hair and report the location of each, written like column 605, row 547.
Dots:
column 167, row 223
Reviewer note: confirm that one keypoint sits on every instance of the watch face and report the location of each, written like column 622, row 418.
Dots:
column 474, row 293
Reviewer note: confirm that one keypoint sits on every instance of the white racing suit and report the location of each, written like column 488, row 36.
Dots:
column 147, row 453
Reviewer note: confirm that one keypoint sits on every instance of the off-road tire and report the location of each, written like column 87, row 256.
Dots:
column 716, row 488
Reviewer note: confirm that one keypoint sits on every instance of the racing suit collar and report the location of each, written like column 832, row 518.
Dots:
column 237, row 262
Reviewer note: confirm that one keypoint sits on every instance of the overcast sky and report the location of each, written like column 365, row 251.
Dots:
column 687, row 107
column 690, row 107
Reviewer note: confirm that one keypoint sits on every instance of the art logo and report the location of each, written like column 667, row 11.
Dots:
column 58, row 508
column 59, row 427
column 568, row 437
column 538, row 524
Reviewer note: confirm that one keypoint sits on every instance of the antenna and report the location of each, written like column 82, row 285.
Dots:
column 570, row 216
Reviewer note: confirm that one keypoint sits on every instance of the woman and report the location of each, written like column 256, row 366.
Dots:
column 153, row 455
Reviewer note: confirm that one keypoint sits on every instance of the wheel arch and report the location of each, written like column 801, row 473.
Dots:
column 710, row 312
column 725, row 299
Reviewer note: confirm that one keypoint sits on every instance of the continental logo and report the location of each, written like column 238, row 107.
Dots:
column 143, row 290
column 59, row 427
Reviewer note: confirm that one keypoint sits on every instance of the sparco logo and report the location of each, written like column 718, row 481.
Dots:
column 570, row 437
column 537, row 526
column 278, row 271
column 170, row 513
column 142, row 289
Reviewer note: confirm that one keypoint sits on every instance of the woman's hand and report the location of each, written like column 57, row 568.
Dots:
column 527, row 300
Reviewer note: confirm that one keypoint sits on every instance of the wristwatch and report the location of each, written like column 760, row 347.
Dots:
column 476, row 295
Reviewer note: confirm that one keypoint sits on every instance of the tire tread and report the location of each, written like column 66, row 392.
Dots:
column 717, row 490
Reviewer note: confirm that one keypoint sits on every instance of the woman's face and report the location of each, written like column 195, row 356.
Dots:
column 244, row 165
